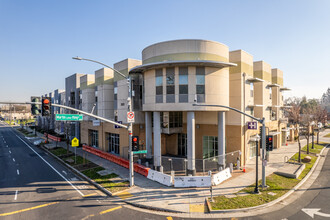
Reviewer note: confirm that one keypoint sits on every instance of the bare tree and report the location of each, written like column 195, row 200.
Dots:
column 294, row 117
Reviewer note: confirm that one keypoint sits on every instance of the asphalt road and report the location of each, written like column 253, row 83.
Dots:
column 33, row 185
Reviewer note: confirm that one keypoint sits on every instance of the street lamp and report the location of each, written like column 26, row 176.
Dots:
column 256, row 189
column 130, row 124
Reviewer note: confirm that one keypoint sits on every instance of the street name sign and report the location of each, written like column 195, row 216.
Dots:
column 140, row 152
column 253, row 125
column 75, row 142
column 68, row 117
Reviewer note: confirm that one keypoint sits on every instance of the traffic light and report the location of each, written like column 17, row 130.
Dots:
column 135, row 143
column 269, row 143
column 35, row 109
column 46, row 106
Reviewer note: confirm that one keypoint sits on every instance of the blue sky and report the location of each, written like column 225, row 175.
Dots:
column 38, row 38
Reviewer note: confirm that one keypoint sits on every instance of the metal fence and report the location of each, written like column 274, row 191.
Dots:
column 179, row 165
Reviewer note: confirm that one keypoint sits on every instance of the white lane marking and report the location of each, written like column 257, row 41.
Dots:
column 17, row 172
column 51, row 166
column 6, row 145
column 14, row 159
column 64, row 172
column 10, row 152
column 16, row 195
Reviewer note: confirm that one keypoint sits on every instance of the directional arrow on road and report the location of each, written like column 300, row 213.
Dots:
column 312, row 212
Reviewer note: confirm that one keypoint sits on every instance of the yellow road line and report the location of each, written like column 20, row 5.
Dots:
column 124, row 195
column 92, row 194
column 169, row 218
column 28, row 209
column 110, row 210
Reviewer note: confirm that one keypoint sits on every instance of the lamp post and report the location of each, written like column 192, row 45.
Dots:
column 130, row 124
column 256, row 189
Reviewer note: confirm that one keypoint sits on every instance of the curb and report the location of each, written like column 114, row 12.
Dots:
column 276, row 200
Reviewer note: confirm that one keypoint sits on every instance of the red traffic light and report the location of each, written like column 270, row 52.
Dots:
column 135, row 139
column 46, row 101
column 270, row 139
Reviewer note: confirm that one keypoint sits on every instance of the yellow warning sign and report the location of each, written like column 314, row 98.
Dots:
column 75, row 142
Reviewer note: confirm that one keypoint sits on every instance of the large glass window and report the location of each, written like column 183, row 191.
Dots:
column 159, row 86
column 170, row 87
column 252, row 148
column 200, row 84
column 210, row 146
column 182, row 145
column 94, row 138
column 183, row 84
column 175, row 119
column 113, row 143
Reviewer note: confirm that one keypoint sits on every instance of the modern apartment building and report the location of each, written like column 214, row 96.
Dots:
column 73, row 99
column 170, row 78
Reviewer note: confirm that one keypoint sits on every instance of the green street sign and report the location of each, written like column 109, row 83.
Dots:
column 140, row 152
column 68, row 117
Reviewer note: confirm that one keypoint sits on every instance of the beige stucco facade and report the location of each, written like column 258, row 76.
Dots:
column 173, row 76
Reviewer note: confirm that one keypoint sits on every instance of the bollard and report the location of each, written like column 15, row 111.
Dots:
column 231, row 167
column 238, row 164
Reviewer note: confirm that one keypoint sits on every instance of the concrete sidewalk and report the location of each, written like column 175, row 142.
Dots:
column 147, row 193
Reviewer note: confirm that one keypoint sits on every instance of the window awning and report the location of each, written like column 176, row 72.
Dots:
column 273, row 85
column 284, row 89
column 253, row 80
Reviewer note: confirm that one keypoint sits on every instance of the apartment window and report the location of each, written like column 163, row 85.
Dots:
column 170, row 87
column 251, row 89
column 94, row 138
column 270, row 93
column 182, row 145
column 159, row 86
column 251, row 111
column 210, row 146
column 72, row 98
column 183, row 84
column 96, row 94
column 113, row 143
column 200, row 84
column 175, row 119
column 115, row 95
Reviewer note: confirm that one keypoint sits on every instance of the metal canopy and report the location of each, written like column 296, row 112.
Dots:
column 253, row 80
column 273, row 85
column 284, row 89
column 208, row 63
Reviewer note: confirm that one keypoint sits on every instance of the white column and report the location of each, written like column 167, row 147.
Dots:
column 148, row 134
column 157, row 142
column 221, row 139
column 191, row 142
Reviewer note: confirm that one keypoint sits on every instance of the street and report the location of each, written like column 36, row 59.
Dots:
column 34, row 186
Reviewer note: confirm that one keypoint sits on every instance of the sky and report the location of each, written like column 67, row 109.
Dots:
column 38, row 38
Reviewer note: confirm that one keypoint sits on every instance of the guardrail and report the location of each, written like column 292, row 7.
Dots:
column 116, row 159
column 54, row 138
